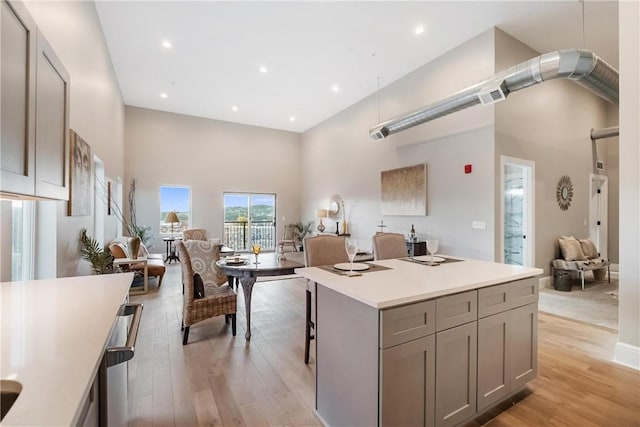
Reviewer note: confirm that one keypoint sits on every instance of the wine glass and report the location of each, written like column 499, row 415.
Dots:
column 256, row 250
column 352, row 249
column 432, row 247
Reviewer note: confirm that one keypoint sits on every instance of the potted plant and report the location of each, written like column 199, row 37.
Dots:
column 301, row 231
column 101, row 260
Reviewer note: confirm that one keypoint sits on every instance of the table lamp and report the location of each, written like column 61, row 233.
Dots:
column 172, row 218
column 321, row 213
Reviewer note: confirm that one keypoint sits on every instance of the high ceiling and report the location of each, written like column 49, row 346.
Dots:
column 218, row 48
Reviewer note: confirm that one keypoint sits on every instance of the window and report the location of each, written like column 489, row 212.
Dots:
column 249, row 219
column 21, row 240
column 177, row 199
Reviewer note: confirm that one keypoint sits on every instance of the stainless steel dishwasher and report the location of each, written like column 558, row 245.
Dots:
column 113, row 408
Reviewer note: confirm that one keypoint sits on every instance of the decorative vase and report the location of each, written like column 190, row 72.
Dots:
column 344, row 227
column 133, row 244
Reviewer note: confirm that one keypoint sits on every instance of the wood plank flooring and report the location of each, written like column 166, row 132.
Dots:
column 219, row 380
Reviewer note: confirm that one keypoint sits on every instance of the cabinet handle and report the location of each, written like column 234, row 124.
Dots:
column 117, row 355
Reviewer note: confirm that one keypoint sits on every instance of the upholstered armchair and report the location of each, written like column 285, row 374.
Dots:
column 199, row 257
column 194, row 234
column 389, row 245
column 155, row 265
column 319, row 250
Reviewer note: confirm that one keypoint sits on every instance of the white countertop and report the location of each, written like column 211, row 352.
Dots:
column 54, row 333
column 406, row 282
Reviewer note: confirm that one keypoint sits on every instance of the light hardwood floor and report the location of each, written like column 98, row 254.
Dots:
column 219, row 380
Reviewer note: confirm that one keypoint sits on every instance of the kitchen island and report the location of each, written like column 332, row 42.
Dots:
column 412, row 344
column 54, row 334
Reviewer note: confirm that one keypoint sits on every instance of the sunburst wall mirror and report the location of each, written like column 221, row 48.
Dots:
column 564, row 192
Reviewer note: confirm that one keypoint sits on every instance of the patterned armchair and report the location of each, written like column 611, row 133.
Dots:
column 200, row 257
column 194, row 234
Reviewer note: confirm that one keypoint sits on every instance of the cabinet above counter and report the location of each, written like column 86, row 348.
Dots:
column 34, row 148
column 54, row 334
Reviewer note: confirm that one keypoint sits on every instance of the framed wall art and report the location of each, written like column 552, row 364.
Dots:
column 404, row 191
column 81, row 176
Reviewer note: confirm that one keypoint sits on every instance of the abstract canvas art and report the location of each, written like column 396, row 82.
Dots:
column 80, row 182
column 404, row 191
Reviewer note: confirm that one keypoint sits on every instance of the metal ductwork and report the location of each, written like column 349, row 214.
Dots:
column 581, row 66
column 605, row 133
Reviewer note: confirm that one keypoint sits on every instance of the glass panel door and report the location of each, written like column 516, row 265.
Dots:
column 518, row 211
column 248, row 219
column 513, row 214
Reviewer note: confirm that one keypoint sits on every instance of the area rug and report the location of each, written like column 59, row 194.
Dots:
column 597, row 304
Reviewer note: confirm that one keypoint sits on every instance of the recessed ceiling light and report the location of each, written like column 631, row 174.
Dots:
column 292, row 119
column 234, row 108
column 166, row 43
column 335, row 88
column 419, row 29
column 163, row 95
column 263, row 69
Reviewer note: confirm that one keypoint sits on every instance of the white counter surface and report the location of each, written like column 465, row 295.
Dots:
column 406, row 282
column 54, row 333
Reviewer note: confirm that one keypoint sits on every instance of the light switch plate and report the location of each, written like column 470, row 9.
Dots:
column 480, row 225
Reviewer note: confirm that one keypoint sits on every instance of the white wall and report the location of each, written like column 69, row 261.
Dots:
column 628, row 348
column 211, row 157
column 338, row 156
column 549, row 124
column 96, row 107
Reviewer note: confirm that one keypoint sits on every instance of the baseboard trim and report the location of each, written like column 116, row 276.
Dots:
column 627, row 355
column 545, row 282
column 615, row 268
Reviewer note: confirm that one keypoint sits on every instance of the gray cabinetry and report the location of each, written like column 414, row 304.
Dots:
column 18, row 94
column 493, row 360
column 52, row 125
column 35, row 110
column 407, row 383
column 507, row 339
column 456, row 351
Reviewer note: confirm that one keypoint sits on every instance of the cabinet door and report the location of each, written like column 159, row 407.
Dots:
column 407, row 383
column 523, row 345
column 493, row 359
column 456, row 363
column 18, row 93
column 52, row 125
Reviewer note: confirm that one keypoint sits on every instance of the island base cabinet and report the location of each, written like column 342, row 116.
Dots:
column 507, row 353
column 407, row 383
column 493, row 359
column 523, row 345
column 456, row 364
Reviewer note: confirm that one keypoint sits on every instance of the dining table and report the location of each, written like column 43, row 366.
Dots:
column 247, row 271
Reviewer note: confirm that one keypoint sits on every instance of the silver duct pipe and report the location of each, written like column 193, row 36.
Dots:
column 581, row 66
column 605, row 133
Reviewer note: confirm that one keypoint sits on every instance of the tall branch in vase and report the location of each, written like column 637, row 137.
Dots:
column 137, row 230
column 130, row 227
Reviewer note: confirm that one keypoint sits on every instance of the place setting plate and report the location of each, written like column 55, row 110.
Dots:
column 428, row 258
column 235, row 260
column 357, row 266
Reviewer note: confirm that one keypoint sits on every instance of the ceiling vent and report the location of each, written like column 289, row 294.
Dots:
column 491, row 94
column 582, row 66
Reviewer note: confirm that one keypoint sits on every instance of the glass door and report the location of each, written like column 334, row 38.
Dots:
column 249, row 219
column 517, row 211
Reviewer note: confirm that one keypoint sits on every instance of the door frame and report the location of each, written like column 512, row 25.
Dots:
column 601, row 244
column 529, row 184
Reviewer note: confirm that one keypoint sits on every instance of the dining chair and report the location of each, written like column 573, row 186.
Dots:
column 319, row 250
column 288, row 238
column 194, row 234
column 389, row 245
column 199, row 265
